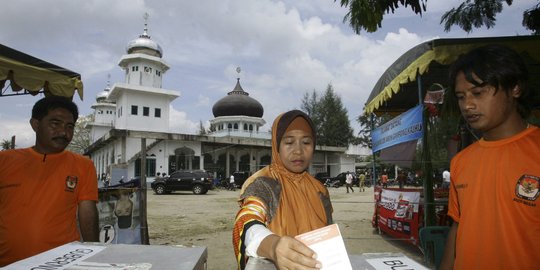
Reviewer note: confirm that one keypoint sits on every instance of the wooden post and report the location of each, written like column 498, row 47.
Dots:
column 142, row 201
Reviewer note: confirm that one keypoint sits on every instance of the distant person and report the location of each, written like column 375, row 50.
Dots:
column 348, row 181
column 282, row 200
column 446, row 178
column 495, row 181
column 362, row 181
column 232, row 185
column 384, row 179
column 401, row 179
column 45, row 188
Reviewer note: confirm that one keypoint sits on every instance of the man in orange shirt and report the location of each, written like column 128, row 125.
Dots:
column 495, row 182
column 44, row 188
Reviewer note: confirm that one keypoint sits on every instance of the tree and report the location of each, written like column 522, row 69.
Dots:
column 202, row 129
column 310, row 105
column 366, row 126
column 6, row 144
column 81, row 135
column 329, row 117
column 368, row 14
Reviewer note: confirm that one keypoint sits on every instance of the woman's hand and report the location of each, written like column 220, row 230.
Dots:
column 288, row 253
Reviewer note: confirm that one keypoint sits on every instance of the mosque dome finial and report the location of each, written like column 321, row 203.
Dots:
column 238, row 102
column 144, row 44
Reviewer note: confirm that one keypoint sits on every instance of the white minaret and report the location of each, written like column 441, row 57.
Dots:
column 141, row 102
column 104, row 114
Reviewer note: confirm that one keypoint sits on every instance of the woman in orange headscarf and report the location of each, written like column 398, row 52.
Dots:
column 282, row 200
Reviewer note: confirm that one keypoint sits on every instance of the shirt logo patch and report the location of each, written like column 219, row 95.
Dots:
column 527, row 187
column 71, row 183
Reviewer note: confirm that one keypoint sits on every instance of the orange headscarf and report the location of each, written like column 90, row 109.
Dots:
column 300, row 207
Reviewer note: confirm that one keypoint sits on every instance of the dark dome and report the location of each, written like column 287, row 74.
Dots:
column 238, row 102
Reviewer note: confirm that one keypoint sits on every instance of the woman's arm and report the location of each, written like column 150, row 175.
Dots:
column 288, row 253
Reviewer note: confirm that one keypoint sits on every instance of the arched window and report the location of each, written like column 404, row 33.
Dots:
column 250, row 127
column 245, row 127
column 236, row 126
column 229, row 126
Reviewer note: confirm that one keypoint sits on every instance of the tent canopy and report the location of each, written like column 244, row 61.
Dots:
column 397, row 89
column 30, row 75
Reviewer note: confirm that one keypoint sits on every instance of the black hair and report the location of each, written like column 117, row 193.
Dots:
column 498, row 66
column 46, row 104
column 287, row 118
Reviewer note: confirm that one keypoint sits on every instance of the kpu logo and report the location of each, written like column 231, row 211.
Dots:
column 71, row 183
column 527, row 187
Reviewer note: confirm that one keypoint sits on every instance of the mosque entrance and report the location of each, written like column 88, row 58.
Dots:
column 183, row 159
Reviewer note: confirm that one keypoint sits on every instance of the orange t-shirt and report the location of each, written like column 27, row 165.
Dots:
column 494, row 197
column 39, row 195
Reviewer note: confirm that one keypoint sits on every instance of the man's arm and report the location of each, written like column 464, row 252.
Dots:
column 447, row 262
column 88, row 221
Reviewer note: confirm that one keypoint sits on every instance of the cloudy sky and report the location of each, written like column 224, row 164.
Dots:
column 284, row 48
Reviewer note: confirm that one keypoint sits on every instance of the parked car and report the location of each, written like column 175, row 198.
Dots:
column 132, row 183
column 343, row 176
column 240, row 178
column 322, row 177
column 198, row 181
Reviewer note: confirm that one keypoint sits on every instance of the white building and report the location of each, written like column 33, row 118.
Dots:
column 139, row 108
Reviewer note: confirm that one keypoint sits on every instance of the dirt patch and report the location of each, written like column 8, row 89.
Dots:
column 184, row 219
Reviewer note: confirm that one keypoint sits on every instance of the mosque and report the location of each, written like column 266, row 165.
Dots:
column 132, row 118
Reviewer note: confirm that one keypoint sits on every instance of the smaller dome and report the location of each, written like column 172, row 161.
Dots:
column 103, row 94
column 237, row 103
column 144, row 44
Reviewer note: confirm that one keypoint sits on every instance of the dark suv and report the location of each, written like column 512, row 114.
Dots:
column 322, row 177
column 240, row 178
column 198, row 181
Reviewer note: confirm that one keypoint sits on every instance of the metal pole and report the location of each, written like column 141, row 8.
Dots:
column 374, row 168
column 142, row 201
column 429, row 207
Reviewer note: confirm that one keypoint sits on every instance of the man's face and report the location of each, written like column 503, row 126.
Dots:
column 54, row 132
column 296, row 150
column 485, row 109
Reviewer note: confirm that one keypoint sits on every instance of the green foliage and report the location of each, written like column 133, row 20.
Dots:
column 6, row 144
column 202, row 129
column 531, row 19
column 330, row 118
column 81, row 135
column 368, row 14
column 473, row 14
column 366, row 126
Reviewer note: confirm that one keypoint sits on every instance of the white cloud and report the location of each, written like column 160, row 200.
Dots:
column 285, row 48
column 180, row 123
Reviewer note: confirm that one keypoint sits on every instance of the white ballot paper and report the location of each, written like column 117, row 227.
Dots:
column 329, row 246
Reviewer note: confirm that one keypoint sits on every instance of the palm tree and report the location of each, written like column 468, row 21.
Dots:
column 6, row 144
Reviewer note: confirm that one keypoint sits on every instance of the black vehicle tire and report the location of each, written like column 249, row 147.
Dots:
column 160, row 190
column 198, row 190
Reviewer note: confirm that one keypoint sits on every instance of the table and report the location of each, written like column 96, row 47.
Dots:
column 156, row 256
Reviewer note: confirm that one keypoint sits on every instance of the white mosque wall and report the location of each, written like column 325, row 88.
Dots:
column 138, row 111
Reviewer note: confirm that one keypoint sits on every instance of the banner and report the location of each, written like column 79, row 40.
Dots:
column 119, row 217
column 403, row 128
column 398, row 213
